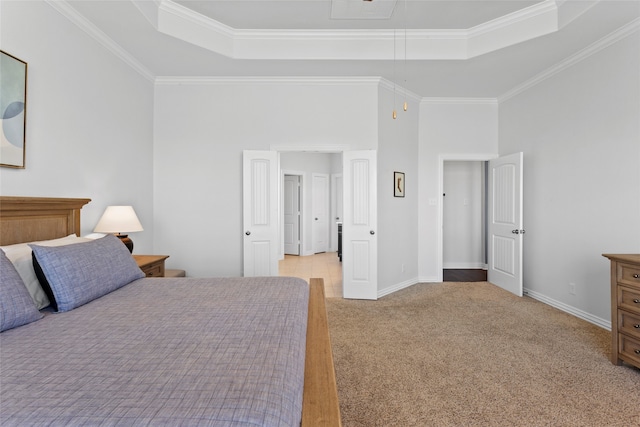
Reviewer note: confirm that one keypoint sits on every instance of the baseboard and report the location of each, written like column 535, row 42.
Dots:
column 605, row 324
column 397, row 287
column 306, row 253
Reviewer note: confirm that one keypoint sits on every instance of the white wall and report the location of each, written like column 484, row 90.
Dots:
column 463, row 219
column 89, row 119
column 580, row 133
column 450, row 129
column 200, row 132
column 397, row 216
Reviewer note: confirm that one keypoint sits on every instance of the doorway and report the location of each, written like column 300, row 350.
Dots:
column 317, row 190
column 315, row 199
column 263, row 220
column 464, row 227
column 504, row 223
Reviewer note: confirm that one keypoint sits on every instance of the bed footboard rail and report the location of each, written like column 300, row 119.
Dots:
column 320, row 406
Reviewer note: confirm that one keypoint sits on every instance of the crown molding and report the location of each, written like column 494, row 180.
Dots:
column 166, row 14
column 459, row 101
column 178, row 21
column 84, row 24
column 148, row 9
column 169, row 6
column 400, row 90
column 312, row 148
column 610, row 39
column 526, row 24
column 183, row 23
column 230, row 80
column 521, row 15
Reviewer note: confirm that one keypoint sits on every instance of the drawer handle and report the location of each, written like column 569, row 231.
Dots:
column 637, row 301
column 636, row 276
column 636, row 351
column 637, row 326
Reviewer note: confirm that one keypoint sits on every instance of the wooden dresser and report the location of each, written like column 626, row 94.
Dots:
column 625, row 308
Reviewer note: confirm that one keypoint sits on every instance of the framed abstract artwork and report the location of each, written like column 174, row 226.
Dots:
column 398, row 184
column 13, row 103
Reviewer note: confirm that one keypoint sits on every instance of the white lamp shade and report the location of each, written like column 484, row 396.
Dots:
column 118, row 219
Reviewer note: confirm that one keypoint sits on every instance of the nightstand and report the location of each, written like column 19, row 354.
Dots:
column 152, row 265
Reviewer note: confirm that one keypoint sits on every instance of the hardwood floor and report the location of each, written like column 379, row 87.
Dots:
column 325, row 265
column 328, row 267
column 464, row 275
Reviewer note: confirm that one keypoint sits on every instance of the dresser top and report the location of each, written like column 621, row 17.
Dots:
column 632, row 258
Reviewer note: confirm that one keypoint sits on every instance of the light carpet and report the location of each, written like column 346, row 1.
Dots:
column 472, row 354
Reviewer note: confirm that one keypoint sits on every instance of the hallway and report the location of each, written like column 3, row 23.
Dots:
column 325, row 265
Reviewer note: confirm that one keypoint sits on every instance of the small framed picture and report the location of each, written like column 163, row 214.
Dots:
column 398, row 184
column 13, row 100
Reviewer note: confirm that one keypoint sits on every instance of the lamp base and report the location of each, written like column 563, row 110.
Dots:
column 124, row 238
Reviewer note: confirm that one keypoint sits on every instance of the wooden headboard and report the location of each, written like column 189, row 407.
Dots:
column 28, row 219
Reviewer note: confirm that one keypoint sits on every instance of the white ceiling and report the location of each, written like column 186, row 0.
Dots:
column 319, row 14
column 471, row 49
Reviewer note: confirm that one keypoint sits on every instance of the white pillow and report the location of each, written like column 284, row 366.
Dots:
column 20, row 256
column 94, row 236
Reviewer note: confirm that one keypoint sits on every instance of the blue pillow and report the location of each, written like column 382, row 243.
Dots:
column 16, row 306
column 81, row 272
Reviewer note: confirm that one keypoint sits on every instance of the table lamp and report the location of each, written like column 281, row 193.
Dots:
column 119, row 220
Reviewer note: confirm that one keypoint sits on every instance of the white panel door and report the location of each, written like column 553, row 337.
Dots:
column 359, row 238
column 505, row 223
column 260, row 212
column 320, row 209
column 336, row 208
column 291, row 211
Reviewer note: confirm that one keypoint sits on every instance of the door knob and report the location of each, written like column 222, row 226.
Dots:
column 517, row 231
column 248, row 233
column 372, row 232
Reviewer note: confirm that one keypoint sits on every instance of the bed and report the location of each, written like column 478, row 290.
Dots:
column 157, row 351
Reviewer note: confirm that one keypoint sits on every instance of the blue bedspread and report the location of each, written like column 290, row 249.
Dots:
column 182, row 351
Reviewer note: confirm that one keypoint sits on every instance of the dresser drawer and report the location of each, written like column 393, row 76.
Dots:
column 629, row 349
column 154, row 270
column 629, row 275
column 151, row 265
column 629, row 299
column 625, row 308
column 629, row 324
